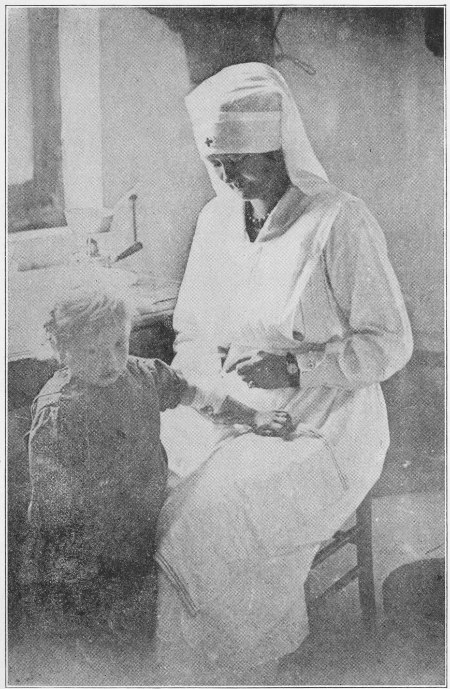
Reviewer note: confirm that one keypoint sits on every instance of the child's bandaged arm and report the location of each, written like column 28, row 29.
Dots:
column 174, row 389
column 219, row 409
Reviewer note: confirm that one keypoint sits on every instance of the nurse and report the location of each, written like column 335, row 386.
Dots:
column 289, row 301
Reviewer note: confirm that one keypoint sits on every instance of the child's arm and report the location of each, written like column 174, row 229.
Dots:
column 229, row 411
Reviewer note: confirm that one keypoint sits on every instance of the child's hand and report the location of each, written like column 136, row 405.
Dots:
column 273, row 423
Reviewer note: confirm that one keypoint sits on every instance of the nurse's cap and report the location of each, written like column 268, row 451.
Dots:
column 236, row 111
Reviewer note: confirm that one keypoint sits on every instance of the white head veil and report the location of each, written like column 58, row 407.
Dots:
column 249, row 108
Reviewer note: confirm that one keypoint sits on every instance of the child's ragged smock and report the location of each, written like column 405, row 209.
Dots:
column 98, row 471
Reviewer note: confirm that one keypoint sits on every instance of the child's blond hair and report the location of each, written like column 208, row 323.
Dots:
column 81, row 308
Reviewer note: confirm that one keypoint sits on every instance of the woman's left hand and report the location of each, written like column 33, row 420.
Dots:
column 263, row 370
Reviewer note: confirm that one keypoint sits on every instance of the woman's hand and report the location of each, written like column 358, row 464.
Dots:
column 263, row 370
column 273, row 423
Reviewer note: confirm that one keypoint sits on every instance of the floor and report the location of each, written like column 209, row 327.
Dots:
column 407, row 527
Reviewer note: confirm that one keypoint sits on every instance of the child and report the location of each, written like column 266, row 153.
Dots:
column 98, row 468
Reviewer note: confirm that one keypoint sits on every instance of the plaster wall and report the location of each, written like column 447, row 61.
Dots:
column 148, row 145
column 20, row 138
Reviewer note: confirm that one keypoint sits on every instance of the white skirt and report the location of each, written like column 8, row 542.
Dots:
column 237, row 536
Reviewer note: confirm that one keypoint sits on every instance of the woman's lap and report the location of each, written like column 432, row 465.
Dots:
column 266, row 489
column 240, row 534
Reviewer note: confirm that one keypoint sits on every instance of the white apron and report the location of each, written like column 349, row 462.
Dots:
column 238, row 535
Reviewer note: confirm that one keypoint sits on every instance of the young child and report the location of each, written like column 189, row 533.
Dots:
column 98, row 468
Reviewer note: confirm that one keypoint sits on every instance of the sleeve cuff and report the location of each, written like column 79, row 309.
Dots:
column 321, row 369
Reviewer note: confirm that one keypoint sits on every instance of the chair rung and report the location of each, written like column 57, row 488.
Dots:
column 360, row 535
column 338, row 542
column 340, row 583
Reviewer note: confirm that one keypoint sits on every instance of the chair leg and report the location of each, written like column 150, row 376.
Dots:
column 366, row 582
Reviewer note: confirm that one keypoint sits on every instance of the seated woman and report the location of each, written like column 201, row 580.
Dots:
column 289, row 301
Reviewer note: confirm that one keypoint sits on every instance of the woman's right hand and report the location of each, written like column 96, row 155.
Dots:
column 263, row 370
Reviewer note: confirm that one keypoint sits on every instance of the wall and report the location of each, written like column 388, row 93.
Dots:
column 20, row 133
column 147, row 141
column 35, row 188
column 374, row 112
column 216, row 37
column 79, row 43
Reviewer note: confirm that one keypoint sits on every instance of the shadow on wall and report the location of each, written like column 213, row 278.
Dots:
column 215, row 38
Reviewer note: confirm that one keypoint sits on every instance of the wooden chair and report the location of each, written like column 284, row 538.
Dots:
column 359, row 535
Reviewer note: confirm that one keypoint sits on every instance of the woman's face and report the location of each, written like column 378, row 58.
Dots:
column 252, row 175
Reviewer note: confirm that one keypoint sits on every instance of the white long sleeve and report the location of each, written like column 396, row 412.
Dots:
column 379, row 340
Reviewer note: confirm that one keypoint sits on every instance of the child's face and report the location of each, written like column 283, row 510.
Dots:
column 98, row 356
